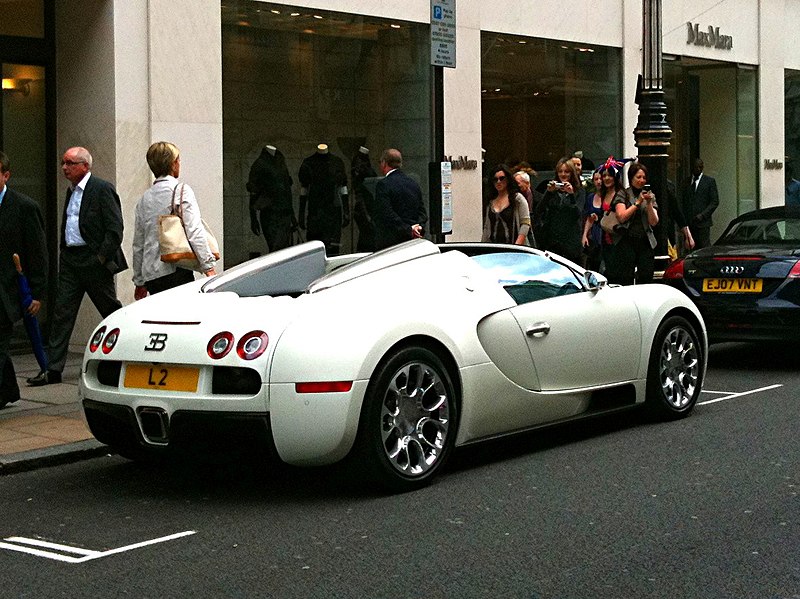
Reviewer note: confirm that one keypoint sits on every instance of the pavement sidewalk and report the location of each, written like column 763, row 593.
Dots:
column 46, row 426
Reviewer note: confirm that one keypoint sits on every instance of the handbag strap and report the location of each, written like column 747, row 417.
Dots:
column 172, row 210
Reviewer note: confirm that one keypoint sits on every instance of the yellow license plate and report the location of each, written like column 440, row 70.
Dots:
column 732, row 285
column 161, row 377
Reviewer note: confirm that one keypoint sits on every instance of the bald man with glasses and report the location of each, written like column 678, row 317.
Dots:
column 90, row 255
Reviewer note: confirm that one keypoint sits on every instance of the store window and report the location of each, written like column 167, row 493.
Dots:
column 544, row 99
column 295, row 79
column 22, row 18
column 791, row 90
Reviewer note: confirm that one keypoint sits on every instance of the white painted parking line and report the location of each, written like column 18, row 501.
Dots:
column 25, row 545
column 734, row 395
column 720, row 392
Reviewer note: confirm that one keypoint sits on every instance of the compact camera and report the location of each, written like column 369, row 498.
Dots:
column 559, row 184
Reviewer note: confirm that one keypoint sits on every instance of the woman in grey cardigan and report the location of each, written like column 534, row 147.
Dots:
column 507, row 217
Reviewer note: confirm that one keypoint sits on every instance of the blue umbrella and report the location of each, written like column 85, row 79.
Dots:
column 31, row 322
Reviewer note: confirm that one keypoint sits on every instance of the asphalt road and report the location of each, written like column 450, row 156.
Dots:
column 704, row 507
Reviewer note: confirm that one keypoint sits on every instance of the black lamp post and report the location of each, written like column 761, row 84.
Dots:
column 652, row 133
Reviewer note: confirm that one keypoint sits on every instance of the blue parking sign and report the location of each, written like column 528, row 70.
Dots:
column 437, row 12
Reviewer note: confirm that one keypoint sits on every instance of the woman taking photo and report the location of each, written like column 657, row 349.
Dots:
column 559, row 213
column 633, row 256
column 507, row 217
column 150, row 274
column 596, row 242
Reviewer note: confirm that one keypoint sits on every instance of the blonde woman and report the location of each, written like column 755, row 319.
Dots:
column 150, row 274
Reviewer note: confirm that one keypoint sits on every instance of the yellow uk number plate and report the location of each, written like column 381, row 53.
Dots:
column 161, row 377
column 732, row 285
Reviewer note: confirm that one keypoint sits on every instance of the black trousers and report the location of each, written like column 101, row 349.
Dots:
column 701, row 236
column 179, row 277
column 631, row 259
column 79, row 273
column 276, row 228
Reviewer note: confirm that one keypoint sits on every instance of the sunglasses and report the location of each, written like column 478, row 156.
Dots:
column 496, row 179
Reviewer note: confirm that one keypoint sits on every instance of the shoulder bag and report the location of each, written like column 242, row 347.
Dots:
column 173, row 241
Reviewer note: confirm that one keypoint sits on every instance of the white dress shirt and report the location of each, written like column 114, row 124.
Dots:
column 72, row 230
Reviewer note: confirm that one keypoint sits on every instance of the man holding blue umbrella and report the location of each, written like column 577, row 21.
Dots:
column 22, row 233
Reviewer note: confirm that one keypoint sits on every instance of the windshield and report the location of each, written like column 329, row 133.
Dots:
column 758, row 231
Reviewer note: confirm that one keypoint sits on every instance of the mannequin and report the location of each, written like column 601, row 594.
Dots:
column 363, row 208
column 270, row 187
column 324, row 191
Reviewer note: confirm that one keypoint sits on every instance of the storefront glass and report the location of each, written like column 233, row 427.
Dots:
column 544, row 99
column 791, row 90
column 22, row 18
column 295, row 78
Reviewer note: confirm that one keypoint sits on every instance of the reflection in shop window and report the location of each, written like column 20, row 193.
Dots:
column 295, row 78
column 22, row 18
column 544, row 99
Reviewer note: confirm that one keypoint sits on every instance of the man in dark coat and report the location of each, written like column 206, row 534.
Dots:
column 399, row 210
column 90, row 256
column 21, row 233
column 700, row 199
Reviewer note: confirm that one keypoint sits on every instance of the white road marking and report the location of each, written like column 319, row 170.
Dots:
column 25, row 545
column 733, row 395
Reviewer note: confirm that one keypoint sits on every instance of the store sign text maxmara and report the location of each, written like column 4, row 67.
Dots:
column 462, row 163
column 710, row 38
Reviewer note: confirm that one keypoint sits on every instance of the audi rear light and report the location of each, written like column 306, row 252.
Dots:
column 97, row 339
column 220, row 345
column 110, row 341
column 252, row 345
column 795, row 272
column 674, row 270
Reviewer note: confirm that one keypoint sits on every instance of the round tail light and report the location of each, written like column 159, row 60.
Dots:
column 110, row 341
column 97, row 339
column 252, row 345
column 220, row 345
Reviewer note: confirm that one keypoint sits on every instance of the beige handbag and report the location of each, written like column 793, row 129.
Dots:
column 173, row 241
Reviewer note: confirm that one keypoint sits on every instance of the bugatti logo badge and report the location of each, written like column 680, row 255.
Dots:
column 731, row 270
column 158, row 341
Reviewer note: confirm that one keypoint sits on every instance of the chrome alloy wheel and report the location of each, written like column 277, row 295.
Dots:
column 679, row 368
column 415, row 418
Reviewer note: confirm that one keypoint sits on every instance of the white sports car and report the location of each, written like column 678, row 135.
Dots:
column 389, row 359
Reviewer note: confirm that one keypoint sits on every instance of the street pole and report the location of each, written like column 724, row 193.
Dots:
column 652, row 133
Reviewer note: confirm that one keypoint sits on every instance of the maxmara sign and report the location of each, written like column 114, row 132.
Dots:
column 710, row 38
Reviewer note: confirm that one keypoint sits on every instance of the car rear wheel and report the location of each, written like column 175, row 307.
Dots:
column 674, row 378
column 408, row 421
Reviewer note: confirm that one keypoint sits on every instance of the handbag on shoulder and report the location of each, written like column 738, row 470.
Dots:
column 610, row 223
column 173, row 241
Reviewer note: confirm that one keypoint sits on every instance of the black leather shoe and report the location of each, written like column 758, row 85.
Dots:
column 48, row 377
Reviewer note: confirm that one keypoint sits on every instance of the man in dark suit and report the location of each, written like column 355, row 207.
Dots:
column 21, row 233
column 399, row 209
column 90, row 256
column 700, row 199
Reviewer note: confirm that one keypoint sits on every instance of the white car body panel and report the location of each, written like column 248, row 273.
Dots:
column 347, row 323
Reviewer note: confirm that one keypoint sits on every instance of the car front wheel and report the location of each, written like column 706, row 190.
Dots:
column 674, row 377
column 408, row 422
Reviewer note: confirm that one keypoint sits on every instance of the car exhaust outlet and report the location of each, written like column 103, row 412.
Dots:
column 155, row 424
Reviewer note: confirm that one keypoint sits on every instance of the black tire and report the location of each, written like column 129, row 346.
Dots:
column 408, row 421
column 675, row 371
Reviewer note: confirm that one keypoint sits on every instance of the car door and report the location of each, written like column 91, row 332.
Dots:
column 580, row 340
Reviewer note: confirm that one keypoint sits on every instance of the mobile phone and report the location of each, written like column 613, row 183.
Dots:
column 646, row 187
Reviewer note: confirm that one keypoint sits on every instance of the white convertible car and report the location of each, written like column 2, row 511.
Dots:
column 389, row 359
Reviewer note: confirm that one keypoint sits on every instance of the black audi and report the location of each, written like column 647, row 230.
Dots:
column 747, row 284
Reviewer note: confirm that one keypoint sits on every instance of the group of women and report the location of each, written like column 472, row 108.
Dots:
column 566, row 220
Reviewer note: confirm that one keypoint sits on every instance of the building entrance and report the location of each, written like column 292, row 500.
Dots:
column 711, row 109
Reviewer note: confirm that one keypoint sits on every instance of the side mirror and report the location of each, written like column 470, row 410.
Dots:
column 594, row 280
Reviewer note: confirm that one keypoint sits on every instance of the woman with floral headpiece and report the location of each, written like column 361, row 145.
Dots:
column 597, row 243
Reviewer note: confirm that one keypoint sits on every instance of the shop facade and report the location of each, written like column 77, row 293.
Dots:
column 223, row 79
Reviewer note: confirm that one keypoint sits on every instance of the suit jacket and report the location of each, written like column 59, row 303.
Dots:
column 398, row 205
column 21, row 232
column 100, row 222
column 700, row 202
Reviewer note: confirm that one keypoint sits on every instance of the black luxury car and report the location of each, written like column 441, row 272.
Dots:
column 747, row 284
